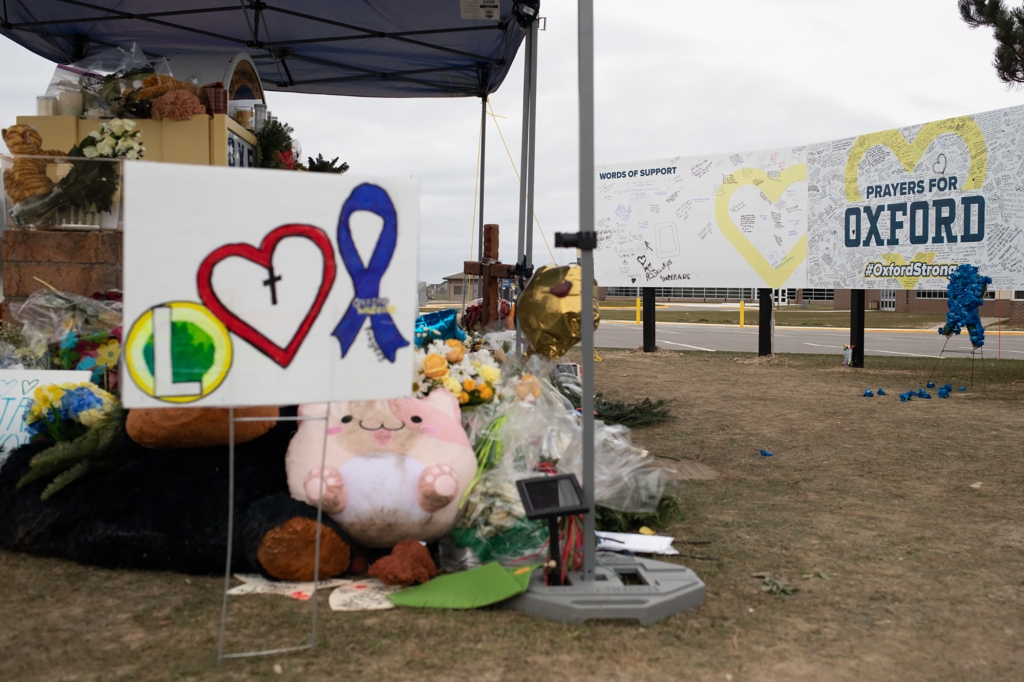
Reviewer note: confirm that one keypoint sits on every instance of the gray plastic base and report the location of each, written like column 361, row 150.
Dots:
column 660, row 590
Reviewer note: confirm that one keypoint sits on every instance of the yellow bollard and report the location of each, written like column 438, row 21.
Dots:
column 741, row 312
column 638, row 311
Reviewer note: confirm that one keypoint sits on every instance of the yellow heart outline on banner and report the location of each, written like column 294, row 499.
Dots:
column 773, row 189
column 909, row 154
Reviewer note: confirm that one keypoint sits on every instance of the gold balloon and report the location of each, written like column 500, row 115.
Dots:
column 550, row 309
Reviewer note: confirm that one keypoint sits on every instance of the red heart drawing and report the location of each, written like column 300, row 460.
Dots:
column 263, row 256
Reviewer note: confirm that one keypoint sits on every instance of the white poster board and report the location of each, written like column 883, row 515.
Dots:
column 902, row 208
column 16, row 389
column 266, row 287
column 727, row 220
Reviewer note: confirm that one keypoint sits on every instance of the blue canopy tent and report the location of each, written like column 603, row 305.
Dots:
column 368, row 48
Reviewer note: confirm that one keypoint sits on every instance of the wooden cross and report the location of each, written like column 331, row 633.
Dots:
column 490, row 272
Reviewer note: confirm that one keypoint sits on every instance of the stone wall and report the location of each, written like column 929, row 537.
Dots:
column 77, row 262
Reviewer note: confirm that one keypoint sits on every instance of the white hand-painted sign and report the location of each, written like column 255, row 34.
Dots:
column 301, row 288
column 16, row 389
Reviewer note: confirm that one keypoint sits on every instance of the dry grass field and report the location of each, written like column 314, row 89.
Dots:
column 900, row 525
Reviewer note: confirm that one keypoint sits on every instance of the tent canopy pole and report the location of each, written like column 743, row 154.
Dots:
column 531, row 48
column 525, row 165
column 586, row 95
column 483, row 160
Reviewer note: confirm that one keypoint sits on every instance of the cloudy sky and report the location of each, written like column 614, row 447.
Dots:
column 673, row 77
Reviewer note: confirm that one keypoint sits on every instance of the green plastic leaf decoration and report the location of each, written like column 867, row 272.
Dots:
column 66, row 477
column 93, row 452
column 50, row 462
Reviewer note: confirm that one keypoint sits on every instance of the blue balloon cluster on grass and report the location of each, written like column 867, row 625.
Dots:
column 966, row 293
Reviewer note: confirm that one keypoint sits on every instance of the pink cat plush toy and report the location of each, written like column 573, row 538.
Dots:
column 394, row 469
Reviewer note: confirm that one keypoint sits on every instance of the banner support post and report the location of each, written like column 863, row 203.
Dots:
column 857, row 327
column 649, row 329
column 764, row 322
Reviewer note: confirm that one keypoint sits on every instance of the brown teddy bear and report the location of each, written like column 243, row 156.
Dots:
column 408, row 564
column 26, row 177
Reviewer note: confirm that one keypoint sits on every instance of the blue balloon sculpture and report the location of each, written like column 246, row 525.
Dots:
column 966, row 293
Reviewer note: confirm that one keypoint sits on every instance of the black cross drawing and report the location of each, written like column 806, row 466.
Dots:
column 272, row 283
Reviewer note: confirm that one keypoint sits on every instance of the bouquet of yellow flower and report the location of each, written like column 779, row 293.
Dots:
column 470, row 376
column 63, row 412
column 86, row 422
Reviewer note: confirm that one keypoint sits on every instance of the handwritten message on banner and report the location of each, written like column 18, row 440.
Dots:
column 259, row 287
column 727, row 220
column 16, row 389
column 902, row 208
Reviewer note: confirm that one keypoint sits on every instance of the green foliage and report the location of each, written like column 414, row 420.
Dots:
column 613, row 521
column 634, row 415
column 1007, row 27
column 95, row 451
column 322, row 165
column 272, row 138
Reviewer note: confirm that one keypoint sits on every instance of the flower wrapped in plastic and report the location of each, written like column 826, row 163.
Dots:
column 72, row 332
column 514, row 437
column 472, row 376
column 90, row 188
column 472, row 318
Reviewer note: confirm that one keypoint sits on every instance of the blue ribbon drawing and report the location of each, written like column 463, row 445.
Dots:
column 366, row 280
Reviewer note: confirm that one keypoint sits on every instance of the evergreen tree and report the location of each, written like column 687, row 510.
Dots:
column 1008, row 29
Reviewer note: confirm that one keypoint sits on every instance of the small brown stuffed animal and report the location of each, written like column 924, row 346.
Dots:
column 26, row 177
column 408, row 564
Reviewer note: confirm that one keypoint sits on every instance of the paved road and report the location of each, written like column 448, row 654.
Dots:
column 712, row 337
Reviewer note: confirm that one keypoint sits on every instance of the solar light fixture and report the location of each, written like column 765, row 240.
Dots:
column 549, row 497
